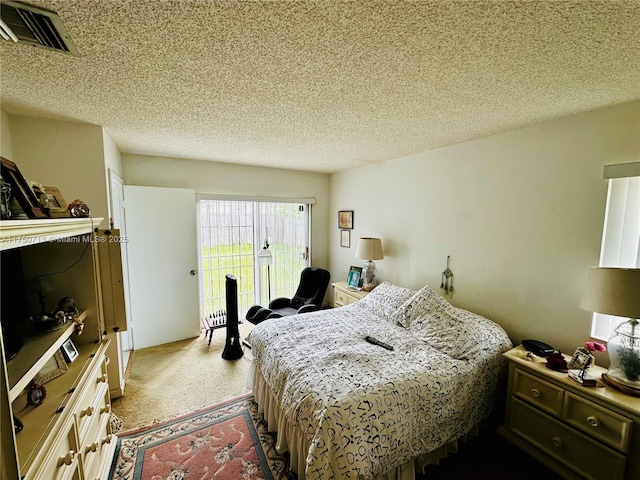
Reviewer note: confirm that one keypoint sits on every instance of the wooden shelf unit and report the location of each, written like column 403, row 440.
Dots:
column 33, row 355
column 68, row 435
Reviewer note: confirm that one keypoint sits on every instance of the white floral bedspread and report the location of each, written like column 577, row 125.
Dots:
column 364, row 409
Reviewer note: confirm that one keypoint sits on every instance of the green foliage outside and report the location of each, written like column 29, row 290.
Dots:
column 238, row 260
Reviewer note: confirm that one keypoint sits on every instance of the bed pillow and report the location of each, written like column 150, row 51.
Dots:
column 487, row 335
column 461, row 334
column 450, row 335
column 420, row 307
column 385, row 299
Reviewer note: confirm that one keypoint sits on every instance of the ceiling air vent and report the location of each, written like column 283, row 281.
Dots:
column 22, row 23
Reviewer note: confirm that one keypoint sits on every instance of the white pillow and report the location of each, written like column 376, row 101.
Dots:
column 385, row 299
column 463, row 335
column 424, row 303
column 446, row 332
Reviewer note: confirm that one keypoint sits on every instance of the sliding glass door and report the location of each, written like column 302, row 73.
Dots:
column 265, row 245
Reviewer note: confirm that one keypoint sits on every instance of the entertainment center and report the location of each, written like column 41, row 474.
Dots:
column 54, row 387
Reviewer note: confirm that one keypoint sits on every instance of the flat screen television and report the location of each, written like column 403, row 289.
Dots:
column 14, row 313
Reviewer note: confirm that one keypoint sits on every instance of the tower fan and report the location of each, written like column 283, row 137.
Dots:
column 233, row 347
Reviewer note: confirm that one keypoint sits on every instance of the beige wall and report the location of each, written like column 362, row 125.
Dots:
column 224, row 178
column 66, row 155
column 112, row 162
column 520, row 214
column 5, row 136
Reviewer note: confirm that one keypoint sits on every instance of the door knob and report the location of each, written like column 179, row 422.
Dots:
column 192, row 272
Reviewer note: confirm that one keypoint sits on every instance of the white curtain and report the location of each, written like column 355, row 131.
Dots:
column 620, row 239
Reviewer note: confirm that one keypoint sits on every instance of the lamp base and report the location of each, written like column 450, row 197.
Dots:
column 612, row 382
column 369, row 275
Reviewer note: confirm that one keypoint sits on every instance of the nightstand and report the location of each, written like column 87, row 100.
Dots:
column 342, row 295
column 579, row 432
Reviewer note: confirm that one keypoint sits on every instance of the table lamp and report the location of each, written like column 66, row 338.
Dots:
column 369, row 249
column 616, row 291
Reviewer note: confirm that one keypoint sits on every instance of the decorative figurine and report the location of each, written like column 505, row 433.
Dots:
column 79, row 209
column 447, row 279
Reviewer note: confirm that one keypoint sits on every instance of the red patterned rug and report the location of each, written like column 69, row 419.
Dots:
column 228, row 441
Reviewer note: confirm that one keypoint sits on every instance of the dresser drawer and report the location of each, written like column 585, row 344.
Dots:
column 90, row 413
column 96, row 439
column 601, row 424
column 342, row 298
column 537, row 392
column 567, row 446
column 62, row 460
column 93, row 392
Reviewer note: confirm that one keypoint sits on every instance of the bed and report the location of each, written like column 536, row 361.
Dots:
column 345, row 408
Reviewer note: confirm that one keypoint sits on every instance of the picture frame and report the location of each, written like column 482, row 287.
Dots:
column 345, row 238
column 21, row 191
column 69, row 351
column 54, row 367
column 345, row 219
column 353, row 279
column 58, row 208
column 580, row 360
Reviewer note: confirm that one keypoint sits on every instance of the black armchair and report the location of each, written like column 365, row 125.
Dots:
column 308, row 297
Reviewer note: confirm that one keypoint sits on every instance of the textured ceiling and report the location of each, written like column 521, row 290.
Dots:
column 323, row 85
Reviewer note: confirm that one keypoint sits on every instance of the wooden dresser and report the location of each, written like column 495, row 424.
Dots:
column 68, row 435
column 579, row 432
column 343, row 295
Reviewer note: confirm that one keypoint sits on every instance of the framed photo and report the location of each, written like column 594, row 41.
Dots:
column 56, row 204
column 21, row 191
column 345, row 219
column 580, row 360
column 345, row 238
column 353, row 280
column 69, row 351
column 55, row 367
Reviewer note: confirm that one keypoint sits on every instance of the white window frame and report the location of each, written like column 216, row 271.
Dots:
column 621, row 232
column 258, row 240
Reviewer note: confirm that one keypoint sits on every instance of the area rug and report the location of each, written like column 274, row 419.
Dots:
column 228, row 441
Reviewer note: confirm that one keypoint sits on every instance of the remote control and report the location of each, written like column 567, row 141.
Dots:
column 375, row 341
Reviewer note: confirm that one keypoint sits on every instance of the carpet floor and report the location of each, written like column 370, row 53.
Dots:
column 177, row 378
column 228, row 441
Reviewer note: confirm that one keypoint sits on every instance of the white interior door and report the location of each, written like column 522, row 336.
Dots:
column 116, row 186
column 161, row 227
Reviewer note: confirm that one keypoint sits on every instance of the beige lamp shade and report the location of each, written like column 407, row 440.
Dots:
column 613, row 291
column 369, row 249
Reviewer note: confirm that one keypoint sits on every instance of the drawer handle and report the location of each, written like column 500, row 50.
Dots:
column 557, row 441
column 593, row 421
column 106, row 408
column 91, row 448
column 67, row 459
column 88, row 412
column 107, row 439
column 535, row 393
column 102, row 378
